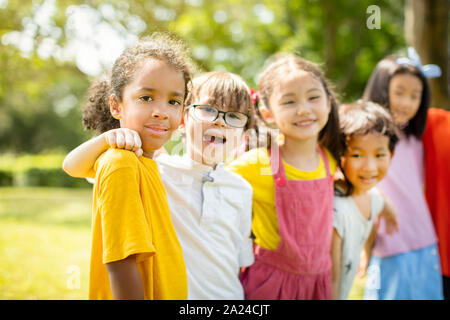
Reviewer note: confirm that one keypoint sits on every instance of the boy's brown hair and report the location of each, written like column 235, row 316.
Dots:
column 225, row 90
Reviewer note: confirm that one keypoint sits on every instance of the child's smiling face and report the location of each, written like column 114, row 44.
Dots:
column 299, row 106
column 405, row 94
column 366, row 160
column 210, row 142
column 152, row 103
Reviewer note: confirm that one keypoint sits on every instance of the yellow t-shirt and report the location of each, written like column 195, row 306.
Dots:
column 254, row 166
column 131, row 216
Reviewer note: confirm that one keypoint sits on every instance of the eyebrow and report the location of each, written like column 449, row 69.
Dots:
column 293, row 94
column 287, row 95
column 173, row 93
column 399, row 86
column 313, row 89
column 362, row 148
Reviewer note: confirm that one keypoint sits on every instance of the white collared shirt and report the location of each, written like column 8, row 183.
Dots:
column 354, row 229
column 211, row 213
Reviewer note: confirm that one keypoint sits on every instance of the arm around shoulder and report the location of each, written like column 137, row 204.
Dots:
column 80, row 161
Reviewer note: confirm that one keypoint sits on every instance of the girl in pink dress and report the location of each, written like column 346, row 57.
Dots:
column 405, row 265
column 293, row 184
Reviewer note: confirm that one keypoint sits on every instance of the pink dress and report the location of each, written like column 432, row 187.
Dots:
column 300, row 267
column 403, row 185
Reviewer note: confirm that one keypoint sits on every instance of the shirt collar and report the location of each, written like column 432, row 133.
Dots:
column 195, row 165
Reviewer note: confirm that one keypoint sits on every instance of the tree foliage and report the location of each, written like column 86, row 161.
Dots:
column 42, row 90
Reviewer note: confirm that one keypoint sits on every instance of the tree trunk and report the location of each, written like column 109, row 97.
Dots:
column 330, row 29
column 427, row 30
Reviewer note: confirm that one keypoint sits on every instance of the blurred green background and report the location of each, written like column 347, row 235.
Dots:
column 50, row 50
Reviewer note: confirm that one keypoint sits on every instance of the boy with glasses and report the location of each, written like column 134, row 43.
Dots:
column 210, row 206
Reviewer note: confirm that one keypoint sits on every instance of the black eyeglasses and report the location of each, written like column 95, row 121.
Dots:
column 204, row 112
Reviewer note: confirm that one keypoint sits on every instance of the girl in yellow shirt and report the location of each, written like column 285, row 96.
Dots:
column 135, row 252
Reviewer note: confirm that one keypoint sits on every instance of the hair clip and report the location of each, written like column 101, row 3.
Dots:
column 429, row 70
column 254, row 95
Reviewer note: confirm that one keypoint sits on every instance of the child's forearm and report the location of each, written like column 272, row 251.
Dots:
column 80, row 161
column 125, row 280
column 369, row 244
column 336, row 254
column 390, row 217
column 335, row 283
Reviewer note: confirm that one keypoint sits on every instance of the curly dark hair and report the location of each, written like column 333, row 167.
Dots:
column 160, row 46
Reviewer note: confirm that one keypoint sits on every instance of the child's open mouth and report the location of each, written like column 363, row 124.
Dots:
column 214, row 139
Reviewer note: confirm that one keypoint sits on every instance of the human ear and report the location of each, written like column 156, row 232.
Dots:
column 182, row 125
column 267, row 115
column 115, row 107
column 342, row 161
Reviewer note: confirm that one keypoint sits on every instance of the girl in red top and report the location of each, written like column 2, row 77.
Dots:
column 436, row 141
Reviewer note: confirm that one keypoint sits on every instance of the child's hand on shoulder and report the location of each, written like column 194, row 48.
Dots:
column 123, row 138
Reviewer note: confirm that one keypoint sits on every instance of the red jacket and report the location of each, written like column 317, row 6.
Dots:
column 436, row 140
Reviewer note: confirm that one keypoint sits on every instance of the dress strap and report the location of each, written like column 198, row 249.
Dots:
column 276, row 163
column 278, row 168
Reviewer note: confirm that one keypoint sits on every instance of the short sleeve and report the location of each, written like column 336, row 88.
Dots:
column 339, row 215
column 125, row 230
column 377, row 201
column 251, row 165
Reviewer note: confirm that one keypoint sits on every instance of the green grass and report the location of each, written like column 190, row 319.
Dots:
column 45, row 244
